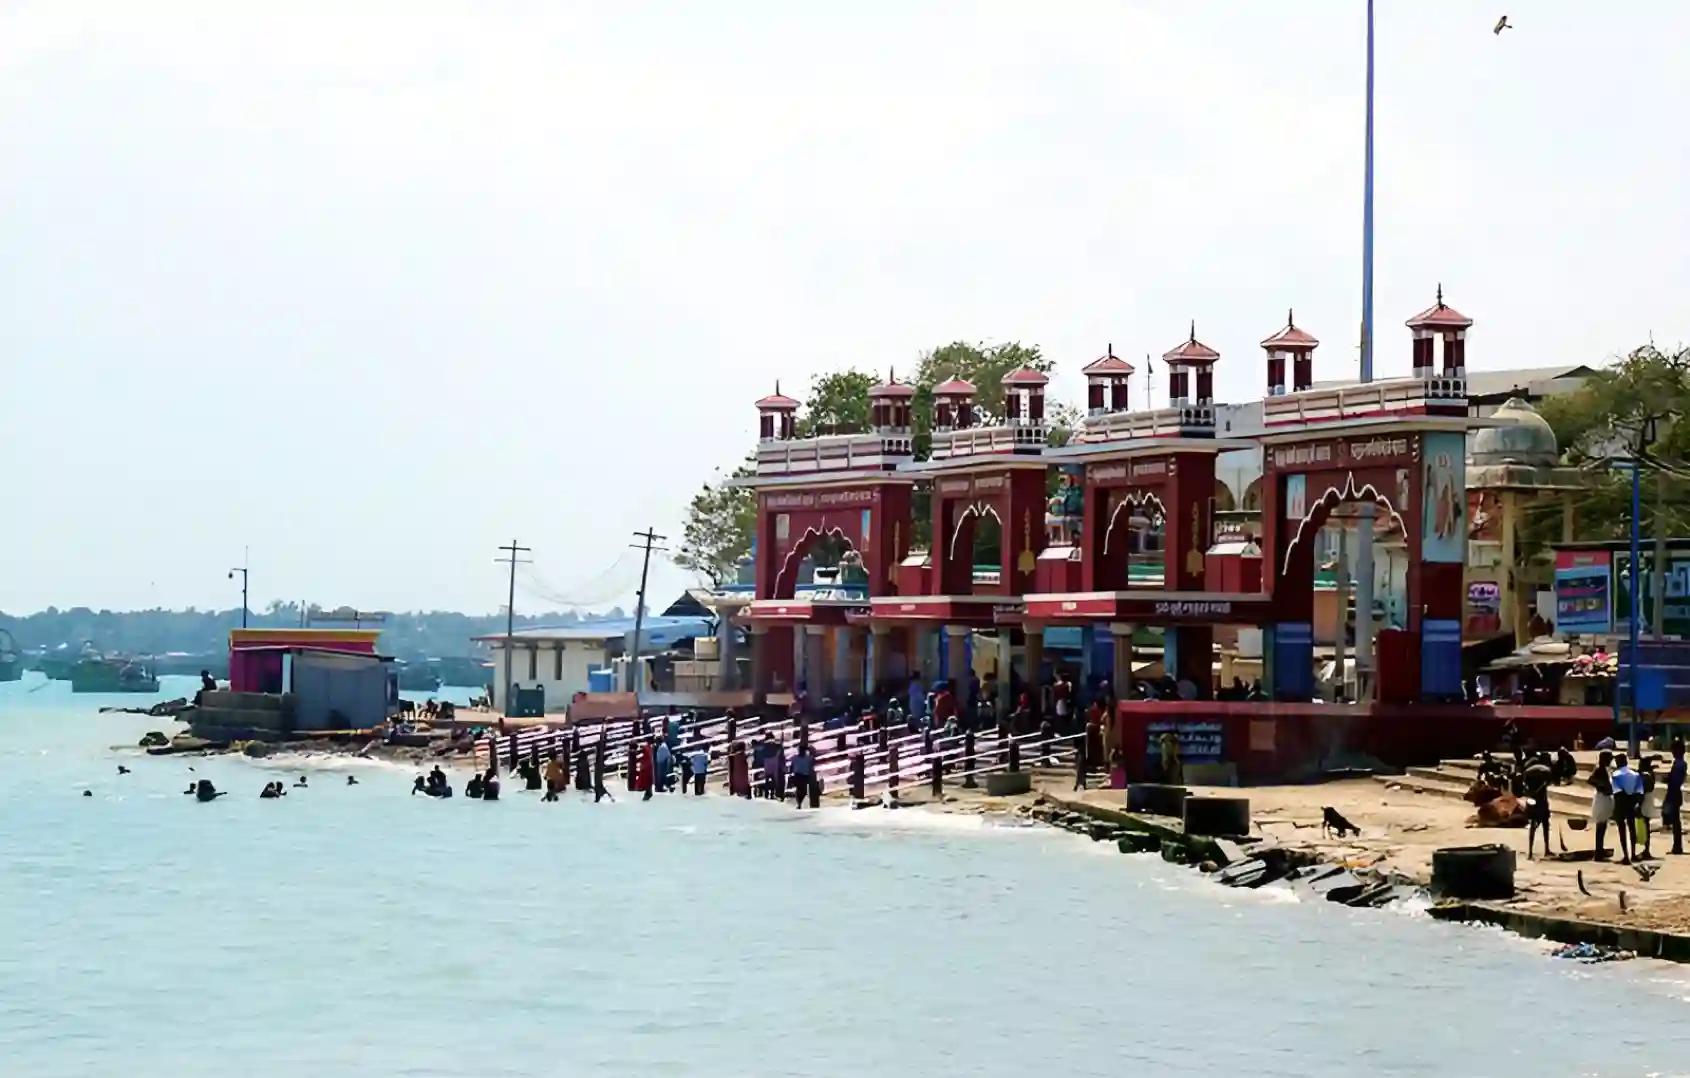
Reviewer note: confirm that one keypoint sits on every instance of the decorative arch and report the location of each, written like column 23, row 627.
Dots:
column 972, row 513
column 1134, row 499
column 1331, row 498
column 1224, row 502
column 1252, row 501
column 786, row 583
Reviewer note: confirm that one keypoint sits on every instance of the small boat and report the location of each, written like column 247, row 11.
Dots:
column 11, row 662
column 107, row 674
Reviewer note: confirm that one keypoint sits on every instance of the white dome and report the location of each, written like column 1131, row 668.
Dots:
column 1522, row 436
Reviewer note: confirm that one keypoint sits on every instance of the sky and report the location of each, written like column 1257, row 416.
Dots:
column 366, row 290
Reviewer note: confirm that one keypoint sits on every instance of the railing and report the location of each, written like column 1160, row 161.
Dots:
column 1162, row 422
column 1001, row 438
column 1364, row 399
column 834, row 452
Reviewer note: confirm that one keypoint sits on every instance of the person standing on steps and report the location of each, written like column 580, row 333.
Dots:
column 700, row 768
column 1601, row 800
column 1628, row 791
column 1673, row 803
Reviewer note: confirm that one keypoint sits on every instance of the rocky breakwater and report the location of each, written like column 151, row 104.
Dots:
column 1238, row 860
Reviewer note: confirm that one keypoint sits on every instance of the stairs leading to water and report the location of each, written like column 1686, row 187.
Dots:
column 1452, row 778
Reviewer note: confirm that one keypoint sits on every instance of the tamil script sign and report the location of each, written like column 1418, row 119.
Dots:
column 1199, row 742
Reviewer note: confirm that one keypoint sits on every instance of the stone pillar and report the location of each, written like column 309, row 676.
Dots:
column 759, row 664
column 879, row 647
column 841, row 675
column 1006, row 663
column 815, row 660
column 1511, row 604
column 1121, row 675
column 727, row 660
column 1035, row 653
column 956, row 656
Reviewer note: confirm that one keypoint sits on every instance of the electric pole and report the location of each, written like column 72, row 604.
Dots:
column 511, row 553
column 649, row 536
column 241, row 570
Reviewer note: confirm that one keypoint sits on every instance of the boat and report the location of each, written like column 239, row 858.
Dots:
column 101, row 673
column 56, row 664
column 11, row 661
column 418, row 677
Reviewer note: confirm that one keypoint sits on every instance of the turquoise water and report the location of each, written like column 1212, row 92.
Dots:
column 361, row 931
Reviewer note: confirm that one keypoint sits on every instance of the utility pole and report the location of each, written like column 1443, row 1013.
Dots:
column 650, row 537
column 1364, row 522
column 241, row 570
column 511, row 553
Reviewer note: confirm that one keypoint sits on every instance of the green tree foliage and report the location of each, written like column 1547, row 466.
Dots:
column 837, row 404
column 720, row 523
column 1607, row 421
column 980, row 363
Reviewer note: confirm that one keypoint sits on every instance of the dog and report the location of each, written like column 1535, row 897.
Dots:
column 1331, row 820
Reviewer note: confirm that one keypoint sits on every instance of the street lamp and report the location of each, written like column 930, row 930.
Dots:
column 1645, row 438
column 241, row 570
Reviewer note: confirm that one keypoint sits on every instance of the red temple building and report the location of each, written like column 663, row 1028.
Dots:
column 1128, row 541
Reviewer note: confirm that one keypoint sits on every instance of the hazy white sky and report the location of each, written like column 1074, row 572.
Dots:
column 373, row 288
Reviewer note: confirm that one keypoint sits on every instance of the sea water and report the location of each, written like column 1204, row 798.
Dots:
column 357, row 930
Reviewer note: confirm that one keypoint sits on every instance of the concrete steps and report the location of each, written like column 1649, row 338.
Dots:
column 1453, row 778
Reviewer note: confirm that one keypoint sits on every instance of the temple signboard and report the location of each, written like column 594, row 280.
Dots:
column 1344, row 453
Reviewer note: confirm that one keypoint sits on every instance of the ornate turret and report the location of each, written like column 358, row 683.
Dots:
column 1293, row 348
column 1440, row 323
column 1024, row 397
column 777, row 417
column 953, row 404
column 1107, row 383
column 1191, row 360
column 889, row 405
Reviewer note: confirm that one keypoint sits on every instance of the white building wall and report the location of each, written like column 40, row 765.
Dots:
column 561, row 678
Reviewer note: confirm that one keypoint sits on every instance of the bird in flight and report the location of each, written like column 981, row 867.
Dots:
column 1501, row 25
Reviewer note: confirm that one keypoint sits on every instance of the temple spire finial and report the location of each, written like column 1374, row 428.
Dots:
column 1194, row 331
column 1109, row 349
column 1290, row 318
column 777, row 387
column 1440, row 294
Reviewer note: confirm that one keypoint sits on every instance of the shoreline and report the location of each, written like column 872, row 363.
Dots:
column 1566, row 902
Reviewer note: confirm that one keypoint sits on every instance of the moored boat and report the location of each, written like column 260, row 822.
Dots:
column 101, row 673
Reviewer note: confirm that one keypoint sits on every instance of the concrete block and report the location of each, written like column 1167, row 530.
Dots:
column 1225, row 816
column 1156, row 798
column 1473, row 872
column 1005, row 783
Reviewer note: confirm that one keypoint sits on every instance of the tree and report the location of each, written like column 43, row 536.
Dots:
column 980, row 363
column 838, row 404
column 721, row 521
column 1606, row 422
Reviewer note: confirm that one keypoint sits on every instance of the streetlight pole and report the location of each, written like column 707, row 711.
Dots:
column 1636, row 597
column 1364, row 520
column 241, row 570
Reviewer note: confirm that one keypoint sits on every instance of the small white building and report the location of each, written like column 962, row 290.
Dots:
column 559, row 660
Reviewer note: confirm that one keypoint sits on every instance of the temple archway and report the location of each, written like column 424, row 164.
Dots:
column 833, row 540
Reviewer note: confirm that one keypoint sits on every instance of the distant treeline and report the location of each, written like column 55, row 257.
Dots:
column 148, row 632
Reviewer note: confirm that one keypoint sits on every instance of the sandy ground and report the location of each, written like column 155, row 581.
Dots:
column 1400, row 829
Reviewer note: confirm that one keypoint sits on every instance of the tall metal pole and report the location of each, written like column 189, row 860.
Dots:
column 510, row 616
column 650, row 536
column 1636, row 596
column 1364, row 523
column 241, row 569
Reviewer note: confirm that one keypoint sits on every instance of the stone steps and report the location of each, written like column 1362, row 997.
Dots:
column 1567, row 801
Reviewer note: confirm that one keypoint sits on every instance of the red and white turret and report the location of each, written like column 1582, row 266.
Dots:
column 953, row 404
column 1292, row 348
column 777, row 417
column 1192, row 361
column 1024, row 397
column 1440, row 323
column 889, row 405
column 1106, row 383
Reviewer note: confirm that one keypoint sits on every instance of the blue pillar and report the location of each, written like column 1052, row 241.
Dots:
column 1289, row 649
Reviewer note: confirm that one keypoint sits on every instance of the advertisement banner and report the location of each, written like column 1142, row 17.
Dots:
column 1677, row 618
column 1443, row 512
column 1584, row 601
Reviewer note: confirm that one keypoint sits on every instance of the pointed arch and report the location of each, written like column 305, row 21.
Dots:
column 1137, row 499
column 1332, row 497
column 786, row 582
